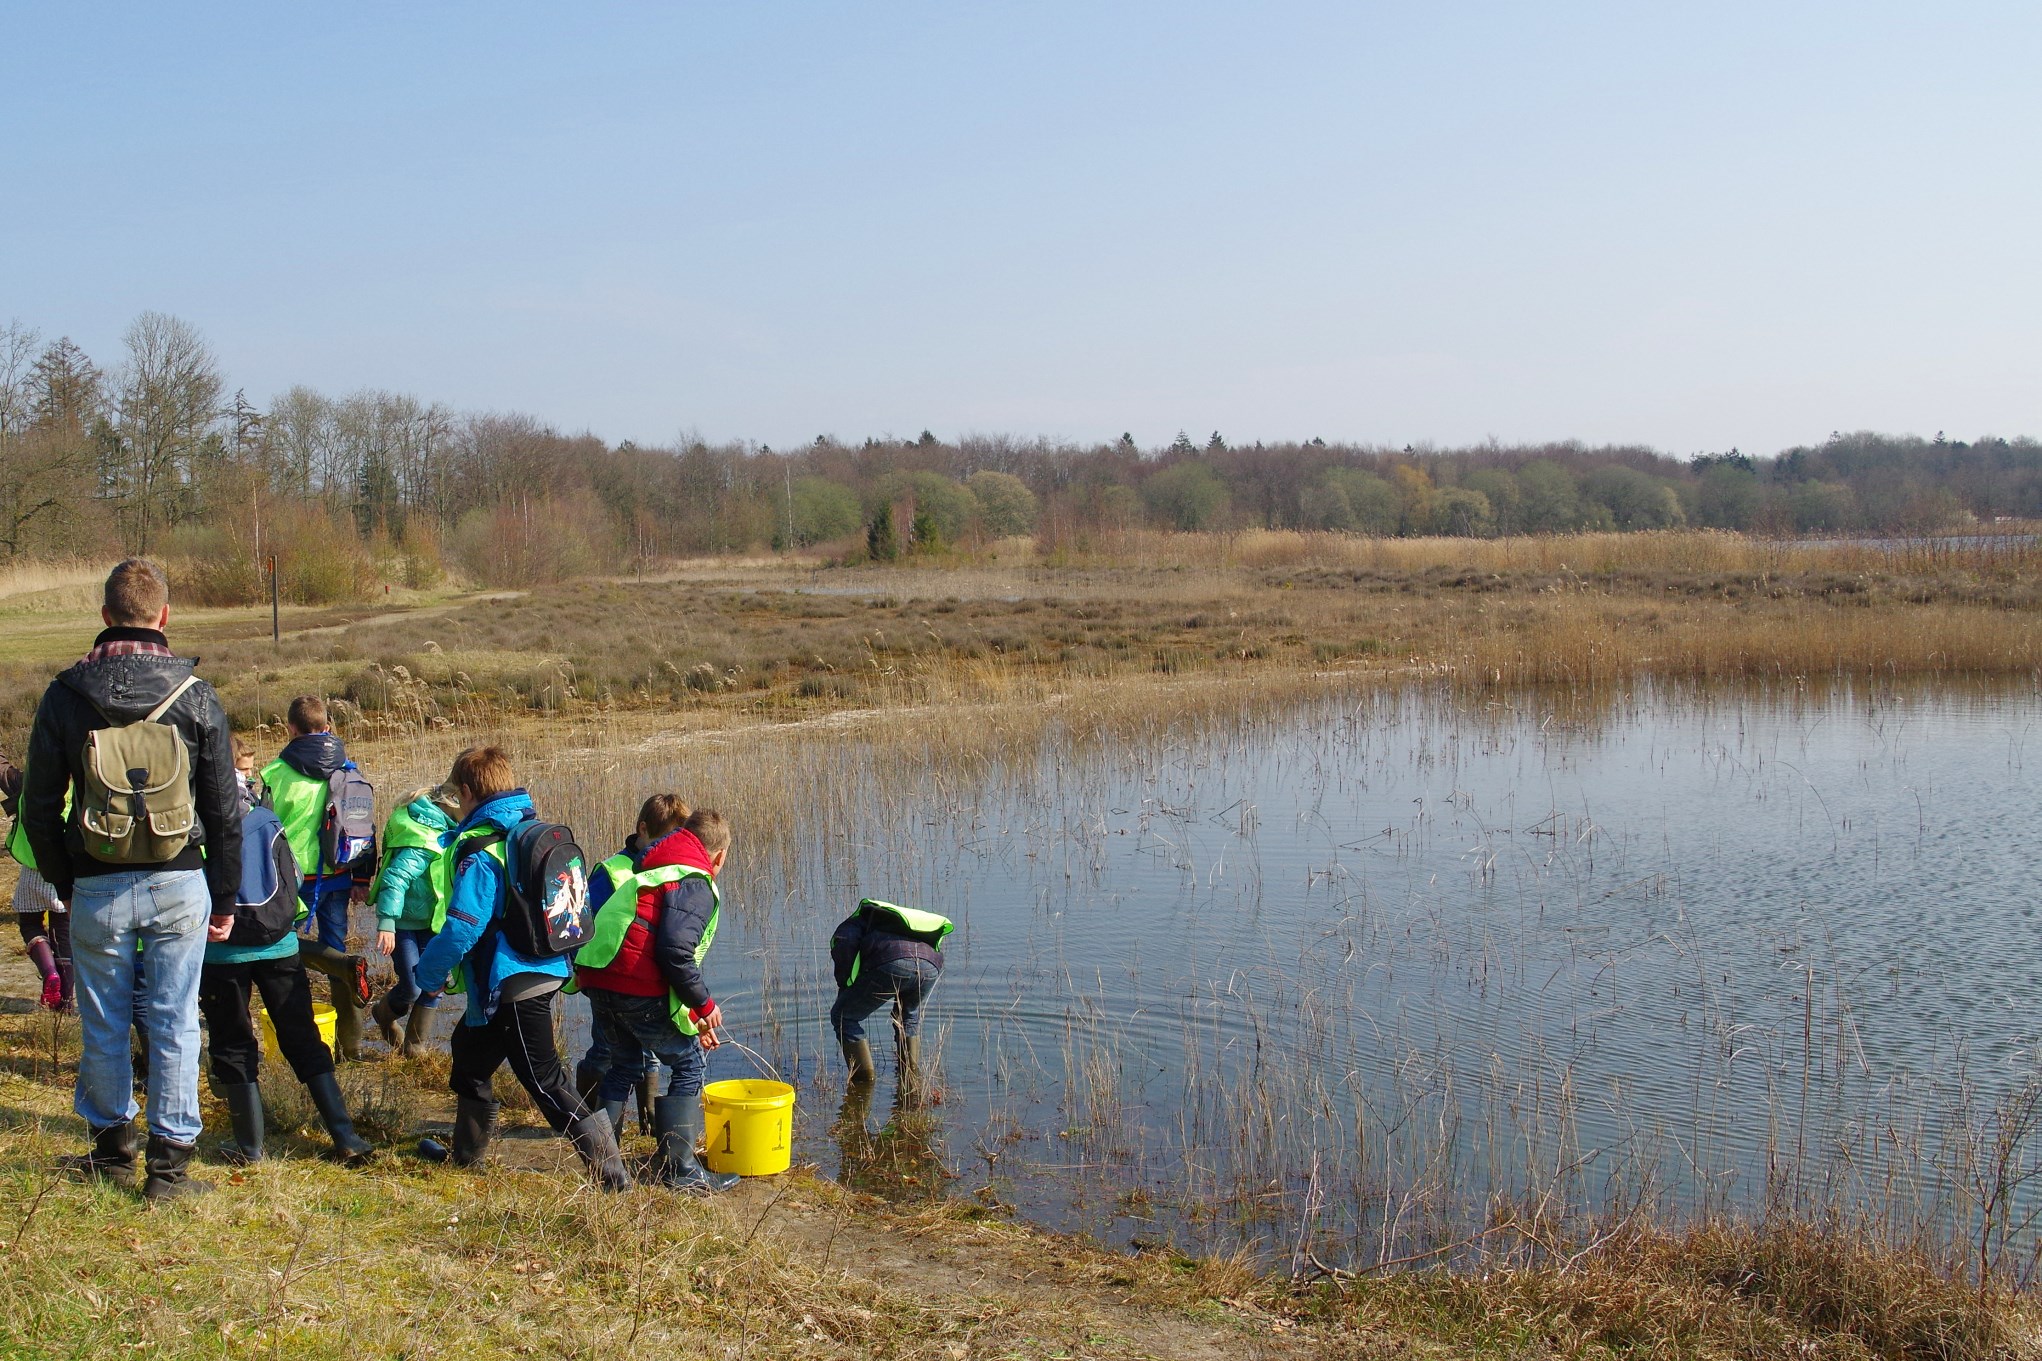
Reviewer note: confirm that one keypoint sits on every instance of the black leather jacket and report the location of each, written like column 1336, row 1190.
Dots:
column 126, row 688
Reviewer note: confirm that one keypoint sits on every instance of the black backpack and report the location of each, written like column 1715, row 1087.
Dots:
column 546, row 910
column 266, row 904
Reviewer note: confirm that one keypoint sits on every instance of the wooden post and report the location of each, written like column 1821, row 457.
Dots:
column 276, row 632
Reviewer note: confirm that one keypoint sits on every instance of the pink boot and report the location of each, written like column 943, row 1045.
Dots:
column 45, row 960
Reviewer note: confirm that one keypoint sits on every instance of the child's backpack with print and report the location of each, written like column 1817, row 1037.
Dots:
column 546, row 910
column 350, row 826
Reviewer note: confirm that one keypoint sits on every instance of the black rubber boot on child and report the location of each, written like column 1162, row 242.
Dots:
column 676, row 1164
column 244, row 1108
column 858, row 1058
column 474, row 1124
column 595, row 1138
column 348, row 1146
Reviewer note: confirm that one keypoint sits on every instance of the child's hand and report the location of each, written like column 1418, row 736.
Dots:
column 386, row 943
column 708, row 1024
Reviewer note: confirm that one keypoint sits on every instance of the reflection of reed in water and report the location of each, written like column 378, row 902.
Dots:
column 903, row 1160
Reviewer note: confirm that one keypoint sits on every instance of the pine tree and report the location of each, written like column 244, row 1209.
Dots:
column 880, row 544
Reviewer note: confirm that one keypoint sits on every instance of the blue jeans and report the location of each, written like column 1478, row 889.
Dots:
column 411, row 942
column 903, row 984
column 165, row 913
column 635, row 1026
column 327, row 901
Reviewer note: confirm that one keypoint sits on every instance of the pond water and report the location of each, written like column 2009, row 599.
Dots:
column 1339, row 975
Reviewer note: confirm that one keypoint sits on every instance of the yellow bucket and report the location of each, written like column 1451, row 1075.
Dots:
column 748, row 1124
column 322, row 1016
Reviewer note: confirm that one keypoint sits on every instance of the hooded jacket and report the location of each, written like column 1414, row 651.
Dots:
column 124, row 688
column 484, row 956
column 404, row 887
column 316, row 755
column 657, row 954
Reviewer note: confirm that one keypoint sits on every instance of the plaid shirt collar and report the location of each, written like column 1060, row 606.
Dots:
column 129, row 642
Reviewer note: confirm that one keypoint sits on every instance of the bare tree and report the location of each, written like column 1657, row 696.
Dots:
column 167, row 416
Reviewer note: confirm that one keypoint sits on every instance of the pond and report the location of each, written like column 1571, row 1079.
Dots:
column 1348, row 975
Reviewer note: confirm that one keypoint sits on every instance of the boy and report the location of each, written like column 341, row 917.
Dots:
column 510, row 995
column 889, row 956
column 232, row 968
column 295, row 784
column 641, row 971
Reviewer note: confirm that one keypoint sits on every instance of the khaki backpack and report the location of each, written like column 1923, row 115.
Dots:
column 134, row 801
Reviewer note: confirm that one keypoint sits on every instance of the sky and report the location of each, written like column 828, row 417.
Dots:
column 1694, row 226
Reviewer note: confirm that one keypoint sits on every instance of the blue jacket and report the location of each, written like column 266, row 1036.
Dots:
column 468, row 940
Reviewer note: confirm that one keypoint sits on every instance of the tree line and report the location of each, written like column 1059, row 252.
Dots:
column 151, row 451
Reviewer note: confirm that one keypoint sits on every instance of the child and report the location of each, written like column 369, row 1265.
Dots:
column 45, row 926
column 407, row 904
column 667, row 812
column 885, row 956
column 295, row 785
column 510, row 995
column 245, row 778
column 641, row 971
column 262, row 956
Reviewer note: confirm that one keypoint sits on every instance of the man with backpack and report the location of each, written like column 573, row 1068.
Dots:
column 149, row 856
column 328, row 812
column 516, row 910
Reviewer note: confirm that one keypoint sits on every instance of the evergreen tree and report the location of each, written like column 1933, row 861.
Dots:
column 880, row 544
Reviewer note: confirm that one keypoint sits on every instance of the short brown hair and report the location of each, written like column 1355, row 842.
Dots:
column 710, row 829
column 308, row 714
column 662, row 813
column 483, row 771
column 136, row 592
column 242, row 751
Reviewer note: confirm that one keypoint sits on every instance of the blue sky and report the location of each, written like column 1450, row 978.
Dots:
column 1695, row 226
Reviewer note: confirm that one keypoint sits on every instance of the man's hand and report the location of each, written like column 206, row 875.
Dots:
column 220, row 927
column 386, row 943
column 707, row 1026
column 357, row 894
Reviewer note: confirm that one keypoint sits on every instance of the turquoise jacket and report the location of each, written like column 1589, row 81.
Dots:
column 404, row 894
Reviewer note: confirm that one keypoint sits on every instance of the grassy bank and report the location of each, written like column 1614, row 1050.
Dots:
column 301, row 1258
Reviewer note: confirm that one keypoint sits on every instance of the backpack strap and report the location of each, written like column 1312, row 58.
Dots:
column 157, row 713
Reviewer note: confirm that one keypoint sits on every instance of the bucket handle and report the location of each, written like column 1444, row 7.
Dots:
column 759, row 1060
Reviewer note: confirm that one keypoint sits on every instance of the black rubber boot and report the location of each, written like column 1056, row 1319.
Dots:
column 613, row 1111
column 647, row 1124
column 169, row 1177
column 348, row 976
column 112, row 1157
column 858, row 1058
column 676, row 1164
column 595, row 1138
column 386, row 1023
column 474, row 1124
column 418, row 1030
column 244, row 1108
column 348, row 1146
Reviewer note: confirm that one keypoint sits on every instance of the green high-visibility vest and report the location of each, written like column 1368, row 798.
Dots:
column 913, row 922
column 442, row 872
column 17, row 836
column 299, row 802
column 404, row 830
column 620, row 909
